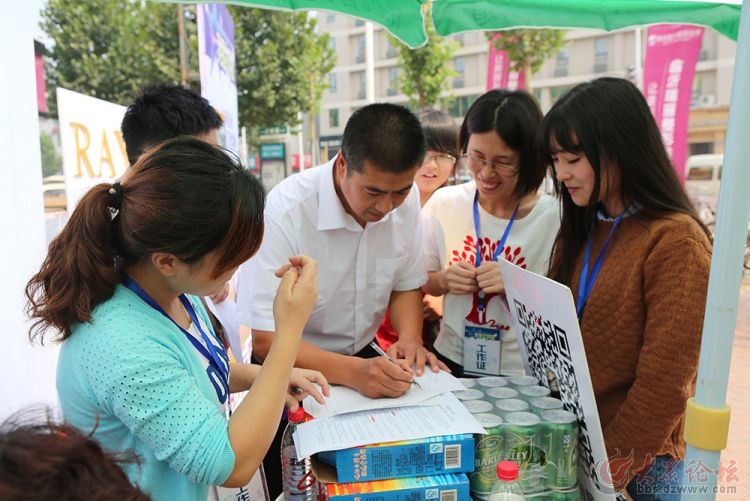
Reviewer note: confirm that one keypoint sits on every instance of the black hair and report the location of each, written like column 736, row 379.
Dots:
column 441, row 134
column 388, row 136
column 163, row 111
column 515, row 117
column 609, row 121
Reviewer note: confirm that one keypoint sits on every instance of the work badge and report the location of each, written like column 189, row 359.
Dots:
column 482, row 343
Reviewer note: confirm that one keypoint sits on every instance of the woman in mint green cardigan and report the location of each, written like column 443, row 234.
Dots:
column 139, row 364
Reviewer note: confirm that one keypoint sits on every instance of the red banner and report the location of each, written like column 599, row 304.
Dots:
column 499, row 75
column 672, row 52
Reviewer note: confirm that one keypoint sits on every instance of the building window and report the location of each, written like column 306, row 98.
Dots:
column 391, row 51
column 361, row 49
column 362, row 85
column 330, row 17
column 561, row 63
column 601, row 55
column 333, row 118
column 556, row 92
column 332, row 43
column 460, row 39
column 359, row 22
column 460, row 69
column 392, row 81
column 332, row 82
column 460, row 105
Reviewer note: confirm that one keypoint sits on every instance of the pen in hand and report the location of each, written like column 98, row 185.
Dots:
column 382, row 353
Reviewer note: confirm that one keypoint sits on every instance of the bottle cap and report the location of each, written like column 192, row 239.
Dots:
column 297, row 416
column 507, row 470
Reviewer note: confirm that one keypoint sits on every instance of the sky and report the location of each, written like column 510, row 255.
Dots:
column 38, row 5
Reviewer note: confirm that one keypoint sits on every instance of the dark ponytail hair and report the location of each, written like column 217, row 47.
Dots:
column 185, row 197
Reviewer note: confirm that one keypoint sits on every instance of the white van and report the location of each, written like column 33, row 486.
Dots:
column 702, row 176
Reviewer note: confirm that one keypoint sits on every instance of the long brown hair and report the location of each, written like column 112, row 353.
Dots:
column 185, row 197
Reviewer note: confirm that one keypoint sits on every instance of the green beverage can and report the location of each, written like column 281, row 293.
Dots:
column 508, row 405
column 468, row 382
column 488, row 451
column 492, row 381
column 521, row 445
column 540, row 404
column 477, row 406
column 529, row 392
column 568, row 495
column 501, row 392
column 470, row 394
column 560, row 441
column 523, row 381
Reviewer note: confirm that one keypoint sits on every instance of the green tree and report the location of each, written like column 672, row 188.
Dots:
column 110, row 49
column 281, row 66
column 51, row 160
column 425, row 73
column 527, row 49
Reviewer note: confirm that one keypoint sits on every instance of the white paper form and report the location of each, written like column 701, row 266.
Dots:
column 332, row 433
column 343, row 400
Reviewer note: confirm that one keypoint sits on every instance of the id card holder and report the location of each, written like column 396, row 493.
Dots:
column 482, row 349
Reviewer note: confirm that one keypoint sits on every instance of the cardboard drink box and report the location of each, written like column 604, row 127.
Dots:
column 408, row 458
column 451, row 487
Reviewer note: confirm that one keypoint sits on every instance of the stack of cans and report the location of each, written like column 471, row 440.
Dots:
column 524, row 424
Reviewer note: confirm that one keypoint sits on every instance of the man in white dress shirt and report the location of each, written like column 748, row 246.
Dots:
column 359, row 217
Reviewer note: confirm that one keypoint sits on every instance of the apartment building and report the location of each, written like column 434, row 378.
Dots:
column 586, row 55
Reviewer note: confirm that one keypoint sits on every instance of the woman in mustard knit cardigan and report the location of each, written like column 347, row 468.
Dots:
column 636, row 257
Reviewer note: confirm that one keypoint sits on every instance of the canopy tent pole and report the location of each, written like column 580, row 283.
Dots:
column 704, row 447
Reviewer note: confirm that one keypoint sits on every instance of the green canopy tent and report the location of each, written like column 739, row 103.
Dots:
column 404, row 19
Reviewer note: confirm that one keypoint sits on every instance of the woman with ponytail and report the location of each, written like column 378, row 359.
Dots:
column 139, row 363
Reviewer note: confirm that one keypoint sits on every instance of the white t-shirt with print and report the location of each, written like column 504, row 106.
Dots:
column 450, row 236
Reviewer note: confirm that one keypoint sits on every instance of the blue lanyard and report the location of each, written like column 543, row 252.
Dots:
column 501, row 245
column 586, row 282
column 217, row 358
column 498, row 249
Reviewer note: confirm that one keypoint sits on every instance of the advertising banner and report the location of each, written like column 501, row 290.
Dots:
column 499, row 75
column 216, row 56
column 672, row 52
column 92, row 146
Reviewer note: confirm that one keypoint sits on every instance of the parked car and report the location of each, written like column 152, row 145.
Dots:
column 53, row 188
column 702, row 177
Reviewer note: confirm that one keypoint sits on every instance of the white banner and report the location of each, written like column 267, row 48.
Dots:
column 92, row 146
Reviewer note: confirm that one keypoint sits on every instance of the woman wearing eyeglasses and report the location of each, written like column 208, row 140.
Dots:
column 498, row 215
column 437, row 170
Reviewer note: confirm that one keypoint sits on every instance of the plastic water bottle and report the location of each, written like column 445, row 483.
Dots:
column 506, row 488
column 297, row 477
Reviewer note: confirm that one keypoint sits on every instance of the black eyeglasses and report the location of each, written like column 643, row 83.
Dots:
column 502, row 167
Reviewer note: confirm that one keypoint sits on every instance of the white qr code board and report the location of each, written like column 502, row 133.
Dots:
column 545, row 320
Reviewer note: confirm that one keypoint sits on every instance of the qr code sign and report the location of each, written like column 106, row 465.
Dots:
column 551, row 363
